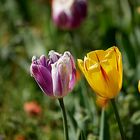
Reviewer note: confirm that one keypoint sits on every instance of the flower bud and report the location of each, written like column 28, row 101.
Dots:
column 55, row 75
column 68, row 14
column 103, row 71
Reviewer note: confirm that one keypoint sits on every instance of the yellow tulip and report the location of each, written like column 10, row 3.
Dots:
column 103, row 71
column 139, row 86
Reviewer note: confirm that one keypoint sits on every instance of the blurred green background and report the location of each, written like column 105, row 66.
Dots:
column 26, row 29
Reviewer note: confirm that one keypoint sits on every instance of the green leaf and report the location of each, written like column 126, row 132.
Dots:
column 81, row 135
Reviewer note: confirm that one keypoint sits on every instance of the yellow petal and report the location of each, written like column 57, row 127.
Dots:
column 97, row 55
column 97, row 82
column 112, row 57
column 82, row 67
column 120, row 70
column 80, row 63
column 112, row 77
column 115, row 59
column 113, row 83
column 90, row 64
column 94, row 78
column 139, row 86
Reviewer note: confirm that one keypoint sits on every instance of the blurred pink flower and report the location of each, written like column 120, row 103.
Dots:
column 19, row 137
column 68, row 14
column 32, row 108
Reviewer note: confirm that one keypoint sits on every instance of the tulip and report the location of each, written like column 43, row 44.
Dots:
column 103, row 71
column 68, row 14
column 56, row 75
column 139, row 86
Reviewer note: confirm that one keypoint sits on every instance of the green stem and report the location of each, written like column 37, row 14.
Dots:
column 104, row 127
column 65, row 125
column 118, row 119
column 101, row 134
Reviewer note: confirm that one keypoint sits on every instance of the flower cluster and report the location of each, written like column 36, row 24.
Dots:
column 56, row 76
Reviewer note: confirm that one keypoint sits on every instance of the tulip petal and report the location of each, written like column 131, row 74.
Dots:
column 94, row 78
column 120, row 67
column 80, row 9
column 90, row 64
column 69, row 70
column 54, row 56
column 139, row 86
column 81, row 65
column 97, row 55
column 72, row 79
column 43, row 78
column 61, row 19
column 73, row 73
column 112, row 57
column 65, row 78
column 56, row 79
column 89, row 74
column 61, row 78
column 115, row 60
column 113, row 84
column 98, row 83
column 43, row 61
column 112, row 78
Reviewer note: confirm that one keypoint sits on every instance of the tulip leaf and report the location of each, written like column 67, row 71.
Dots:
column 104, row 127
column 81, row 135
column 72, row 123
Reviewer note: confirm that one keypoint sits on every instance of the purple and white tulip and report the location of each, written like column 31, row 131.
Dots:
column 68, row 14
column 56, row 75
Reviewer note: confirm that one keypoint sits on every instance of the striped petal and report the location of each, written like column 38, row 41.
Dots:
column 43, row 78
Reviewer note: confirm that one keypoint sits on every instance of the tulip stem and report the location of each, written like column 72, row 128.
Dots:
column 118, row 119
column 104, row 133
column 65, row 124
column 102, row 127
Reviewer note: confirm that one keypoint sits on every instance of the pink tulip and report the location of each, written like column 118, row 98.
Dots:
column 68, row 14
column 56, row 75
